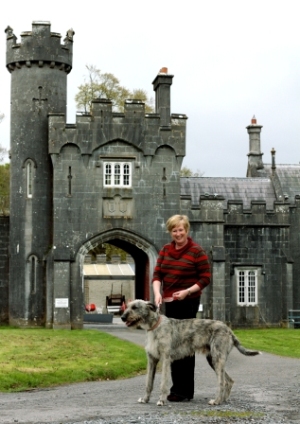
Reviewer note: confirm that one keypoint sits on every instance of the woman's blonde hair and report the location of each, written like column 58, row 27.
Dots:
column 175, row 220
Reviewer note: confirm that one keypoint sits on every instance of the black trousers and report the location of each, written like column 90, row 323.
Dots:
column 182, row 371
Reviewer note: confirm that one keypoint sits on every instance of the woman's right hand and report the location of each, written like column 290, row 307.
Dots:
column 158, row 299
column 156, row 292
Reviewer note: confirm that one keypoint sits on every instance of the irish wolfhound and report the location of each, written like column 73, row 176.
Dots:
column 169, row 339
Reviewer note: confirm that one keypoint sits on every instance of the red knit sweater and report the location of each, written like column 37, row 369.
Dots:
column 181, row 269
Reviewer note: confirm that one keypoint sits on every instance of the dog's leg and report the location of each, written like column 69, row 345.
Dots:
column 228, row 381
column 151, row 369
column 165, row 377
column 217, row 362
column 220, row 390
column 228, row 386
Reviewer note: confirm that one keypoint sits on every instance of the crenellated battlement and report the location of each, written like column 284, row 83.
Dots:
column 257, row 214
column 39, row 47
column 145, row 131
column 215, row 209
column 103, row 125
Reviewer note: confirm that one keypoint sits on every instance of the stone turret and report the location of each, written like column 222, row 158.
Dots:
column 39, row 46
column 39, row 65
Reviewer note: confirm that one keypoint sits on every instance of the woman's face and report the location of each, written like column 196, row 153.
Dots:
column 179, row 235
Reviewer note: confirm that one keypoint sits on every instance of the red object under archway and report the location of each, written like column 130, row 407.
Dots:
column 90, row 307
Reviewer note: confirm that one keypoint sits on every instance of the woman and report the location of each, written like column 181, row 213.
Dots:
column 182, row 271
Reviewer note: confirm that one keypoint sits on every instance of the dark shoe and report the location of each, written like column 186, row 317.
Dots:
column 176, row 398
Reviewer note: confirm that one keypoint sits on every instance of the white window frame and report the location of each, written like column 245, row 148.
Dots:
column 247, row 286
column 117, row 174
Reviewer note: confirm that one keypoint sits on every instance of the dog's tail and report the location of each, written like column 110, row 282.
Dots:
column 242, row 349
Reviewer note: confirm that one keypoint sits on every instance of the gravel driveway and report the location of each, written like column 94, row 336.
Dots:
column 266, row 388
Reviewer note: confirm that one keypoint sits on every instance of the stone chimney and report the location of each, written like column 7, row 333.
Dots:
column 162, row 87
column 255, row 162
column 273, row 152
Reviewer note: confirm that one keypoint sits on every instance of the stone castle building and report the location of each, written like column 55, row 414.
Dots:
column 115, row 178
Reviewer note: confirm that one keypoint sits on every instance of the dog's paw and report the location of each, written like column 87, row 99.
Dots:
column 213, row 402
column 143, row 400
column 161, row 403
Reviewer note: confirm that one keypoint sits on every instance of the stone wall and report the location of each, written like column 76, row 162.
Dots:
column 260, row 239
column 295, row 251
column 4, row 269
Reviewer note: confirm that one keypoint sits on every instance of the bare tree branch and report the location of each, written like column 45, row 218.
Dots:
column 187, row 172
column 99, row 84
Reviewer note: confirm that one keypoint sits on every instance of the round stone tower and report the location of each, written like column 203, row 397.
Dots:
column 39, row 65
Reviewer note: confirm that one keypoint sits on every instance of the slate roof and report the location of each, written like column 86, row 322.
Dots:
column 289, row 176
column 245, row 189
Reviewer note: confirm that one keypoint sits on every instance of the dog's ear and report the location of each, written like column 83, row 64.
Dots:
column 152, row 306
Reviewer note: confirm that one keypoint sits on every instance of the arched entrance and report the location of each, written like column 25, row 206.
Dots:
column 142, row 251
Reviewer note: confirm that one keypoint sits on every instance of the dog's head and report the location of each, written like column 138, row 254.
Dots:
column 140, row 314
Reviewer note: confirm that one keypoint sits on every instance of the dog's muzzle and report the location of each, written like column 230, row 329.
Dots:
column 128, row 322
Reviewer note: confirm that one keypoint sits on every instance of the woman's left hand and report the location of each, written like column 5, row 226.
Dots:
column 180, row 295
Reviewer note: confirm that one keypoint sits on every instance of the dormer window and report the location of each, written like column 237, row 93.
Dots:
column 117, row 174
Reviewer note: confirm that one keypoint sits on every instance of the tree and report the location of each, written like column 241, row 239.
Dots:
column 3, row 153
column 108, row 250
column 4, row 189
column 105, row 85
column 4, row 179
column 187, row 172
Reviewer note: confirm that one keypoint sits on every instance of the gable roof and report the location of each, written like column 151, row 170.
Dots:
column 245, row 189
column 289, row 177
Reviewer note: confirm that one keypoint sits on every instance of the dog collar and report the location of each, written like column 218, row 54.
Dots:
column 156, row 324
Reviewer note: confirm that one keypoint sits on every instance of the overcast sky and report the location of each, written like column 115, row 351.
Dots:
column 230, row 60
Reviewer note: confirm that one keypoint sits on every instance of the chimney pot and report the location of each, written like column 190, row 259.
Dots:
column 253, row 120
column 163, row 70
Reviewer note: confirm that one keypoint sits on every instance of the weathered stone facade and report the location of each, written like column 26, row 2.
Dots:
column 4, row 268
column 115, row 177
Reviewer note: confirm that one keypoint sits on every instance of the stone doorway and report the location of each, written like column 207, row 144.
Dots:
column 141, row 250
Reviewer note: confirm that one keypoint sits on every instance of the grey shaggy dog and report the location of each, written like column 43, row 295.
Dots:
column 169, row 339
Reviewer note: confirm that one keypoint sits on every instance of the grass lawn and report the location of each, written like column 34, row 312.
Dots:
column 39, row 358
column 279, row 341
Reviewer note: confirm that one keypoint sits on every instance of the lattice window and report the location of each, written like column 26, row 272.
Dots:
column 247, row 283
column 117, row 174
